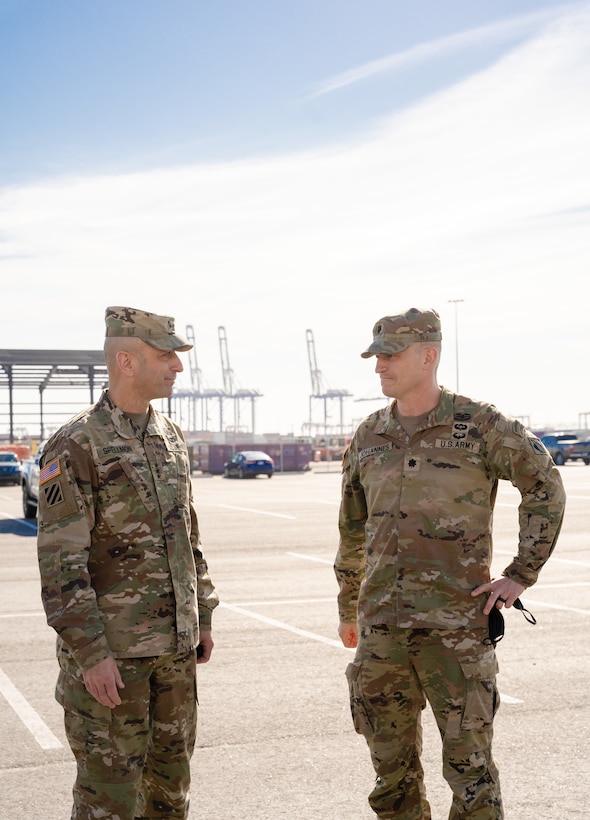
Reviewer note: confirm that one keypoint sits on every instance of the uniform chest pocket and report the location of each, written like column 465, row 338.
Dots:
column 140, row 478
column 175, row 479
column 127, row 495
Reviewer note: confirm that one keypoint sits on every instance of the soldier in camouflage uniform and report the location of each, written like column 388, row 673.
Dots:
column 124, row 582
column 419, row 484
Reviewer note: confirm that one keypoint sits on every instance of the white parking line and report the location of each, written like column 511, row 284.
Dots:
column 22, row 614
column 509, row 699
column 534, row 602
column 36, row 726
column 22, row 521
column 287, row 602
column 569, row 585
column 304, row 633
column 554, row 559
column 310, row 558
column 257, row 512
column 281, row 625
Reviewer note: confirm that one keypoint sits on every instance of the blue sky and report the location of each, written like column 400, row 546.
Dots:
column 276, row 166
column 122, row 85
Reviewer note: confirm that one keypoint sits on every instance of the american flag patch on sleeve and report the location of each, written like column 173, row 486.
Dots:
column 51, row 470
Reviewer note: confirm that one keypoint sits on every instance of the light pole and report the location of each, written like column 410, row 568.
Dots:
column 455, row 302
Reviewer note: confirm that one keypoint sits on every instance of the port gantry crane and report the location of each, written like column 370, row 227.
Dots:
column 320, row 391
column 232, row 390
column 198, row 396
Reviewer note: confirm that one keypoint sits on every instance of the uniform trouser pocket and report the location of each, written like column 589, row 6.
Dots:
column 385, row 702
column 476, row 701
column 466, row 723
column 360, row 716
column 482, row 701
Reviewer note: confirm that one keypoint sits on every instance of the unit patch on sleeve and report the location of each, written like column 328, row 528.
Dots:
column 56, row 498
column 538, row 445
column 53, row 494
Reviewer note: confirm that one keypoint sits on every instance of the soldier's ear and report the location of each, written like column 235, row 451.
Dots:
column 430, row 355
column 126, row 362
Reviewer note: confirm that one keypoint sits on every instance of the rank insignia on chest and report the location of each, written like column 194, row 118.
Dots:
column 411, row 464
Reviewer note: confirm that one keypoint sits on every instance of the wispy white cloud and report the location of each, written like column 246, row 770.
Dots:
column 478, row 193
column 505, row 31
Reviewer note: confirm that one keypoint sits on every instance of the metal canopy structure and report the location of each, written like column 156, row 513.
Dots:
column 55, row 369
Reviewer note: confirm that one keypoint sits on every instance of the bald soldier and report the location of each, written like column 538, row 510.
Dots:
column 413, row 566
column 124, row 582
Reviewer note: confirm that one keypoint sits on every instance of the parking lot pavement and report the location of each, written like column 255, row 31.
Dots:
column 275, row 735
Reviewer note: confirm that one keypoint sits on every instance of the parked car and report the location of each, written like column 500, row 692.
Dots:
column 10, row 468
column 567, row 447
column 249, row 463
column 30, row 483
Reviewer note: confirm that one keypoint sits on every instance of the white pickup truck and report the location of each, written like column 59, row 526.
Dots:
column 30, row 483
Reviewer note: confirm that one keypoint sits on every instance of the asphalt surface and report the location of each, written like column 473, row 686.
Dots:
column 275, row 735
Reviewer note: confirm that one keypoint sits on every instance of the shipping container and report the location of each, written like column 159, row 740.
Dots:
column 291, row 456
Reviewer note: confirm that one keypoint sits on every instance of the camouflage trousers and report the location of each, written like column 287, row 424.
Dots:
column 133, row 761
column 394, row 673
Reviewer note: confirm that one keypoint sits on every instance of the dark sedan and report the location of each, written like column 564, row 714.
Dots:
column 10, row 468
column 249, row 463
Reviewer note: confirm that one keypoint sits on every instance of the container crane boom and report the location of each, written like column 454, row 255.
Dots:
column 228, row 375
column 196, row 375
column 318, row 390
column 316, row 376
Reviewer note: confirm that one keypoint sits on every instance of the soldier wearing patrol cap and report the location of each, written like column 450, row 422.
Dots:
column 413, row 567
column 124, row 581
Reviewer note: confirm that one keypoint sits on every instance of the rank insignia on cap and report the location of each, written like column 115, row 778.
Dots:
column 51, row 470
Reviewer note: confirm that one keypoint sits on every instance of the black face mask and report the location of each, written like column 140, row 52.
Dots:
column 496, row 622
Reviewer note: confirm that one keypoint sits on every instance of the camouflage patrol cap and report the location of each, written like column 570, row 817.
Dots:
column 392, row 334
column 156, row 331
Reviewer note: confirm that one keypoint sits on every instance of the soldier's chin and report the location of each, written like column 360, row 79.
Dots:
column 165, row 392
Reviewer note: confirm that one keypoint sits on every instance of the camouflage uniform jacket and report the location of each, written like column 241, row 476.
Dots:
column 122, row 572
column 416, row 514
